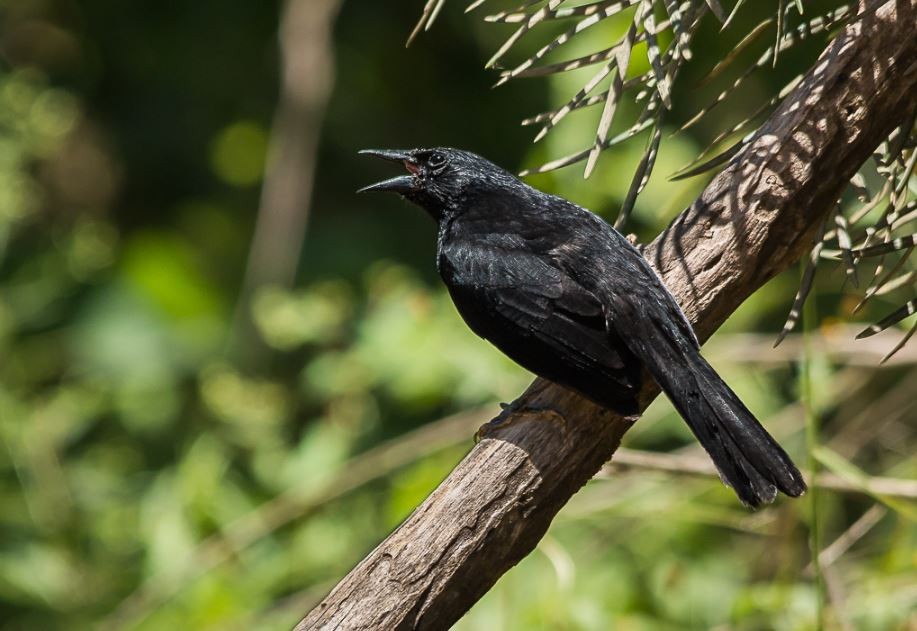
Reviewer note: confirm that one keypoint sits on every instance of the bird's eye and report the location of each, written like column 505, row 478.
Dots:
column 436, row 161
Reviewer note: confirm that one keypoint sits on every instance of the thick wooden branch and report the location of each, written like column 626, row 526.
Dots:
column 754, row 220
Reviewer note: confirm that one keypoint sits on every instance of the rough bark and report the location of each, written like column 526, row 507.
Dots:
column 754, row 220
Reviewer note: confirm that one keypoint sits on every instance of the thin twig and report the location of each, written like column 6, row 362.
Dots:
column 701, row 466
column 849, row 537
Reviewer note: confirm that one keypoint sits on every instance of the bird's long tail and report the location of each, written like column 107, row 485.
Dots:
column 746, row 456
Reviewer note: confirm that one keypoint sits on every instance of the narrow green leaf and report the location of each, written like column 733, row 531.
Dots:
column 843, row 468
column 527, row 26
column 717, row 10
column 900, row 344
column 642, row 174
column 886, row 283
column 900, row 243
column 622, row 61
column 720, row 159
column 843, row 242
column 805, row 286
column 654, row 57
column 907, row 309
column 563, row 38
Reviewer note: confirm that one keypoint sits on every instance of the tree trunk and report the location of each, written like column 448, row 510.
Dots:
column 753, row 221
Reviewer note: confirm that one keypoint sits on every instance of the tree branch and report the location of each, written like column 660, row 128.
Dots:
column 753, row 221
column 286, row 194
column 700, row 465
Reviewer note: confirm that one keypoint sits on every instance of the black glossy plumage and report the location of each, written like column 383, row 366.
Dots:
column 568, row 297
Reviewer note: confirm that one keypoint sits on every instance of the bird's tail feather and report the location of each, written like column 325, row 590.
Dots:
column 746, row 456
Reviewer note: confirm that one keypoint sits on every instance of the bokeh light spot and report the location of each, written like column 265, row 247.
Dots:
column 238, row 153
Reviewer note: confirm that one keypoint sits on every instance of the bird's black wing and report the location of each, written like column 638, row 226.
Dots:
column 645, row 316
column 538, row 315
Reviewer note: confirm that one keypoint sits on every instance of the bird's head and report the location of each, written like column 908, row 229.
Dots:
column 440, row 179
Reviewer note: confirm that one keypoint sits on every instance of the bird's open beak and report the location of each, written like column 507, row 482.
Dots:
column 400, row 184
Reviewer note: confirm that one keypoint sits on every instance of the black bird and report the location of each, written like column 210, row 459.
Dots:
column 565, row 295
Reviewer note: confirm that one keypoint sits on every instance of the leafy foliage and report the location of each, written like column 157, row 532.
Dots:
column 887, row 216
column 651, row 85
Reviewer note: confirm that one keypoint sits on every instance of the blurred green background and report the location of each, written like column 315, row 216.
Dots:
column 200, row 433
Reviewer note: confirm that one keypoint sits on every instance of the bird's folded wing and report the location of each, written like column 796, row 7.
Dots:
column 534, row 296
